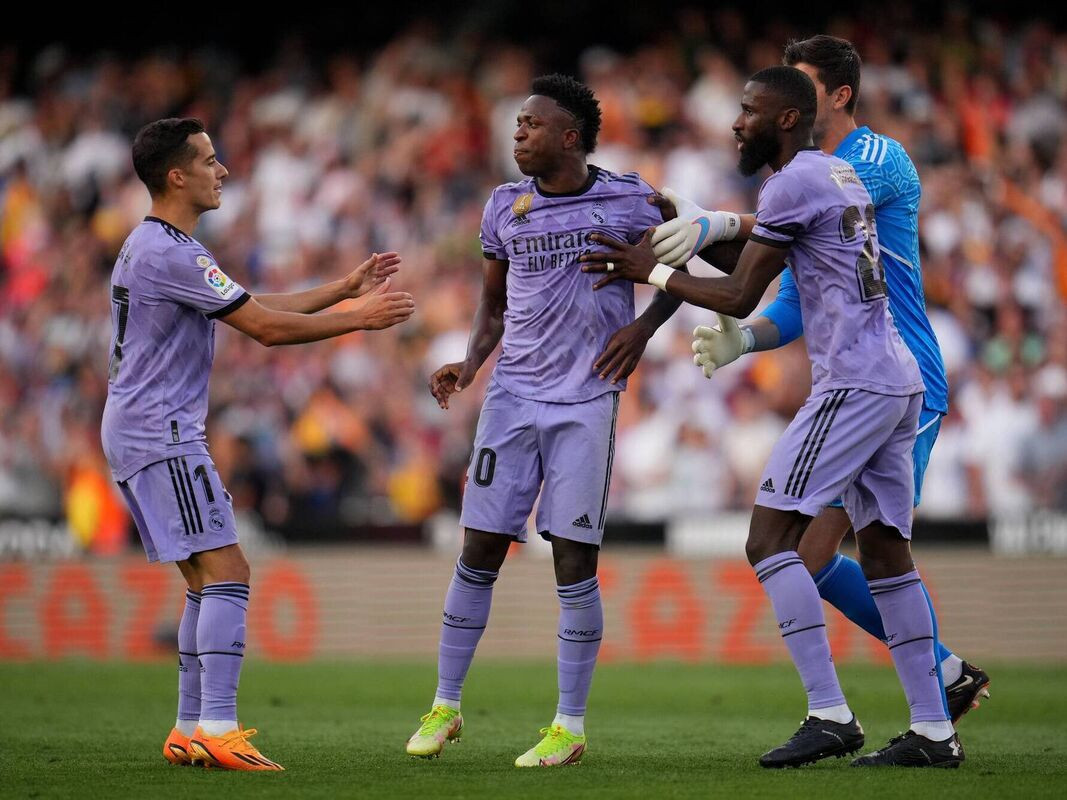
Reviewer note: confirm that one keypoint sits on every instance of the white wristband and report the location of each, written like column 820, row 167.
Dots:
column 748, row 340
column 658, row 276
column 733, row 226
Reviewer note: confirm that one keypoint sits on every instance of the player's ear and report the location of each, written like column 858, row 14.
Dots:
column 841, row 96
column 788, row 119
column 571, row 139
column 176, row 178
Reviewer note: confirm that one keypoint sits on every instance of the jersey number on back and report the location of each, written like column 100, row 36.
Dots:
column 121, row 296
column 869, row 270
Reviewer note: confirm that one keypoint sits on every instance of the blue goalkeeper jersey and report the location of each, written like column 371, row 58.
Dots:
column 893, row 184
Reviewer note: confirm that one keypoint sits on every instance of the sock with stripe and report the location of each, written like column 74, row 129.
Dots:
column 220, row 644
column 802, row 625
column 842, row 584
column 910, row 636
column 581, row 627
column 188, row 668
column 466, row 613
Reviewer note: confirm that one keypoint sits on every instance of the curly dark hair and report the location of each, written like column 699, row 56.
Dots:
column 577, row 99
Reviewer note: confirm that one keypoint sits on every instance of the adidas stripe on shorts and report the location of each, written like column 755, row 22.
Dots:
column 523, row 444
column 852, row 444
column 180, row 507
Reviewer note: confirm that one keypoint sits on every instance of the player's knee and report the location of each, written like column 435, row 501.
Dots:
column 485, row 551
column 574, row 562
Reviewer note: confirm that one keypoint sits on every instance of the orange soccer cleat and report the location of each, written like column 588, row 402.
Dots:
column 229, row 751
column 176, row 749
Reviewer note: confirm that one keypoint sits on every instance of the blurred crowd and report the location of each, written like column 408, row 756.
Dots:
column 333, row 156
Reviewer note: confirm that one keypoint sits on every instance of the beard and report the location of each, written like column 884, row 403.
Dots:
column 757, row 151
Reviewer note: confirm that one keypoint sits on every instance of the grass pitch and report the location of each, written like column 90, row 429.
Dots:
column 77, row 729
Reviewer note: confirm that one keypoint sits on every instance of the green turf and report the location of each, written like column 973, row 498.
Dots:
column 93, row 731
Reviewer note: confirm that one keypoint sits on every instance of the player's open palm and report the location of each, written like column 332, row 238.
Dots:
column 371, row 274
column 449, row 379
column 384, row 309
column 716, row 348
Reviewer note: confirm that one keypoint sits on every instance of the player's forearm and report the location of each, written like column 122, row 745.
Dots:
column 728, row 295
column 660, row 310
column 765, row 334
column 287, row 327
column 486, row 332
column 306, row 302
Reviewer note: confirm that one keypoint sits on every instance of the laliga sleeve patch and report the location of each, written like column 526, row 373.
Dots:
column 217, row 279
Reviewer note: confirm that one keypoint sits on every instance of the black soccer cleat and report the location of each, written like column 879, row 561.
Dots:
column 912, row 750
column 963, row 694
column 816, row 739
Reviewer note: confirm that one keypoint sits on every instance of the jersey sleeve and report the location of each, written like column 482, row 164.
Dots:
column 190, row 276
column 644, row 215
column 492, row 246
column 783, row 211
column 784, row 312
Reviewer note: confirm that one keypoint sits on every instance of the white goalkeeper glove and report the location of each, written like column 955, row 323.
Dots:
column 716, row 348
column 678, row 240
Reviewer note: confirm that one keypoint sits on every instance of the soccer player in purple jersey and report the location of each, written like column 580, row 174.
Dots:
column 852, row 439
column 548, row 421
column 166, row 291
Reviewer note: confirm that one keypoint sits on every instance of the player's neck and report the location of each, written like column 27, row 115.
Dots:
column 570, row 176
column 179, row 215
column 841, row 125
column 788, row 151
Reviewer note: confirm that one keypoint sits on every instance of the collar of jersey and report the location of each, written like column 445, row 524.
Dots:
column 585, row 187
column 851, row 139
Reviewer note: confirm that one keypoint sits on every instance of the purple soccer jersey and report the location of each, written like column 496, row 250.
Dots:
column 817, row 206
column 555, row 325
column 166, row 291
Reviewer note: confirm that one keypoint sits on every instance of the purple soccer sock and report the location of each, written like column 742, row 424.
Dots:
column 581, row 627
column 220, row 644
column 466, row 613
column 910, row 635
column 799, row 612
column 188, row 669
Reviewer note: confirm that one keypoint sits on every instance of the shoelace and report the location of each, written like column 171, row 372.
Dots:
column 242, row 735
column 551, row 736
column 431, row 722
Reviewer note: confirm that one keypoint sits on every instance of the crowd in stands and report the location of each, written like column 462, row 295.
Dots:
column 335, row 155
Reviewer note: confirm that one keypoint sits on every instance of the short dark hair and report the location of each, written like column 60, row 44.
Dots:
column 577, row 99
column 794, row 87
column 835, row 60
column 161, row 146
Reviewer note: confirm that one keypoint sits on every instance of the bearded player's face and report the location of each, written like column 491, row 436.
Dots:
column 756, row 128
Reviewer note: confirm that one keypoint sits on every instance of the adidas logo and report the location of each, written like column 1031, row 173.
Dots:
column 583, row 522
column 768, row 486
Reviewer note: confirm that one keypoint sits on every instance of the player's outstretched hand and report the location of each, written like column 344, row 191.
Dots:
column 622, row 352
column 633, row 262
column 383, row 309
column 665, row 206
column 716, row 348
column 449, row 379
column 371, row 273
